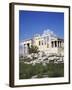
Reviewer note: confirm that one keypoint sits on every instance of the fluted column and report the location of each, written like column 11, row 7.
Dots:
column 57, row 43
column 53, row 43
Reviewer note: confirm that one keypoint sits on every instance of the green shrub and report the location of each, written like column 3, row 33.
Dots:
column 26, row 71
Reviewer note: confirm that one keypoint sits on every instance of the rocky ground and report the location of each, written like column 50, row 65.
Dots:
column 42, row 58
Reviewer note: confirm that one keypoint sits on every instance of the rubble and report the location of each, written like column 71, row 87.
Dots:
column 43, row 58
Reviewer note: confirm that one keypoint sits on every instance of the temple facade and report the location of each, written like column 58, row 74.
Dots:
column 47, row 42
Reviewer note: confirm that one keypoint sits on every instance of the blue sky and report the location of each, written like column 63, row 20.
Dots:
column 32, row 22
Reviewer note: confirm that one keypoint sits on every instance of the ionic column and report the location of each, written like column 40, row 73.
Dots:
column 57, row 43
column 53, row 43
column 60, row 43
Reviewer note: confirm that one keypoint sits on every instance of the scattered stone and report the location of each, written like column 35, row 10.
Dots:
column 43, row 58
